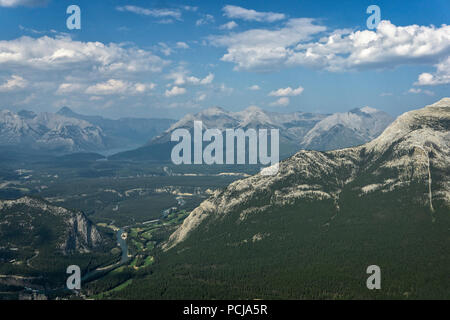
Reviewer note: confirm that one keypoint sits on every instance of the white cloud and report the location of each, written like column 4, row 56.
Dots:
column 157, row 13
column 143, row 87
column 190, row 8
column 228, row 26
column 388, row 46
column 114, row 86
column 69, row 88
column 14, row 83
column 223, row 88
column 205, row 20
column 235, row 12
column 181, row 77
column 412, row 90
column 26, row 3
column 420, row 91
column 182, row 45
column 201, row 97
column 441, row 76
column 63, row 53
column 34, row 31
column 165, row 49
column 342, row 50
column 264, row 49
column 206, row 80
column 175, row 91
column 254, row 88
column 58, row 68
column 282, row 102
column 285, row 92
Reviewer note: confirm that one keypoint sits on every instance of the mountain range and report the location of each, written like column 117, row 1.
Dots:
column 69, row 132
column 311, row 231
column 298, row 130
column 123, row 133
column 49, row 131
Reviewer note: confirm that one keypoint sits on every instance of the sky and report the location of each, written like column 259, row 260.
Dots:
column 163, row 59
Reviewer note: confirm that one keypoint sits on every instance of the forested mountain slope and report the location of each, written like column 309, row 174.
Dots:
column 312, row 230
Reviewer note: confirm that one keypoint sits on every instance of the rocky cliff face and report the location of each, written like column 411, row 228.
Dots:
column 82, row 236
column 415, row 149
column 28, row 221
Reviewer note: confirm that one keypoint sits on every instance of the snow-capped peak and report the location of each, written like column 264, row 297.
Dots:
column 369, row 110
column 49, row 131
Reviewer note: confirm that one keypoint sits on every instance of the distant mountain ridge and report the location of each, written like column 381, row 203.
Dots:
column 69, row 132
column 342, row 130
column 291, row 125
column 49, row 131
column 298, row 130
column 124, row 133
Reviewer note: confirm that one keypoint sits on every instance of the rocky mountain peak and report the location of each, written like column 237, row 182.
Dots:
column 430, row 122
column 407, row 152
column 65, row 111
column 49, row 131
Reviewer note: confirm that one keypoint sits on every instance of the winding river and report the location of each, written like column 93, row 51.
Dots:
column 123, row 245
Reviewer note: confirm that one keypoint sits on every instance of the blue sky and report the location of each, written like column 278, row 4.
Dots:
column 168, row 58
